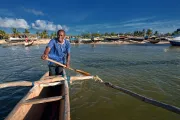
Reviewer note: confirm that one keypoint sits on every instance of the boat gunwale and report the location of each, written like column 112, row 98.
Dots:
column 10, row 115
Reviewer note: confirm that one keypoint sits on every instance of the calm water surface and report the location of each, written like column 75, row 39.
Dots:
column 150, row 70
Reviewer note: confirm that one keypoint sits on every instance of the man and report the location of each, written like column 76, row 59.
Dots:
column 57, row 49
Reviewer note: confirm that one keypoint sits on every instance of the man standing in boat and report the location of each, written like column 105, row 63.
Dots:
column 57, row 49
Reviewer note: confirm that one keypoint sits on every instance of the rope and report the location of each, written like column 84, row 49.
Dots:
column 140, row 97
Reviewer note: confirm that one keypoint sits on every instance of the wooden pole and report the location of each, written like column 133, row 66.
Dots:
column 76, row 70
column 14, row 84
column 45, row 80
column 145, row 99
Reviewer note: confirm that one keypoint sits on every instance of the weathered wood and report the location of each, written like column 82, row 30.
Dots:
column 44, row 80
column 67, row 103
column 20, row 110
column 62, row 102
column 45, row 99
column 51, row 84
column 14, row 84
column 42, row 100
column 72, row 79
column 58, row 78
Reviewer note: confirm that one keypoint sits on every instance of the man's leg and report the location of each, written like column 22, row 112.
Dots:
column 59, row 70
column 52, row 70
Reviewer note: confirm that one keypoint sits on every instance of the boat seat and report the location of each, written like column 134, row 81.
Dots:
column 43, row 100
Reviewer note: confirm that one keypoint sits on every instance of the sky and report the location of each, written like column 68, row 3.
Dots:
column 82, row 16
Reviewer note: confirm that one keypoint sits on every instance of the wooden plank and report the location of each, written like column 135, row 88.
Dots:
column 51, row 84
column 14, row 84
column 67, row 102
column 42, row 100
column 45, row 80
column 58, row 78
column 62, row 103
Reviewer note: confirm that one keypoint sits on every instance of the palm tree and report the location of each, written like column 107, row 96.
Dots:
column 53, row 35
column 156, row 33
column 26, row 32
column 149, row 32
column 113, row 34
column 106, row 34
column 2, row 34
column 44, row 34
column 144, row 32
column 15, row 32
column 176, row 32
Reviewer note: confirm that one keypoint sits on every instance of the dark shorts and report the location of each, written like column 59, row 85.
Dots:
column 55, row 70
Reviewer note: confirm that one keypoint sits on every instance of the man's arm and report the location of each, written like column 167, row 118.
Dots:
column 68, row 60
column 46, row 52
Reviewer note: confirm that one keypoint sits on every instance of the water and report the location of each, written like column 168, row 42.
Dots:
column 150, row 70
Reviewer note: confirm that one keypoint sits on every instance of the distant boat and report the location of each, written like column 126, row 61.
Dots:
column 154, row 39
column 29, row 43
column 175, row 41
column 112, row 38
column 138, row 39
column 19, row 39
column 96, row 39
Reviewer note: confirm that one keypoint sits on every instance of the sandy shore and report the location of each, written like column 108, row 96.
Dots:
column 46, row 41
column 37, row 42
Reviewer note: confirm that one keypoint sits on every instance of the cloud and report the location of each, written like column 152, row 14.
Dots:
column 130, row 26
column 133, row 24
column 13, row 23
column 139, row 19
column 46, row 25
column 35, row 12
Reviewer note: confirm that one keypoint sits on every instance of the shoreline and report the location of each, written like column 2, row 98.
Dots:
column 46, row 41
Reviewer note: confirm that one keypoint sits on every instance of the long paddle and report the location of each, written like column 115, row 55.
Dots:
column 76, row 70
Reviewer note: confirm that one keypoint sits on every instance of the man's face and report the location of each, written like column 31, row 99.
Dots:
column 61, row 36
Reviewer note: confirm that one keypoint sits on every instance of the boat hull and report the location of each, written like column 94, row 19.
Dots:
column 28, row 43
column 54, row 109
column 174, row 43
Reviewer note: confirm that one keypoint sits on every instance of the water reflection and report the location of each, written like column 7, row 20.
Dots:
column 172, row 49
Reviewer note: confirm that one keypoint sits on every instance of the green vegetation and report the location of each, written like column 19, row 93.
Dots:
column 15, row 32
column 45, row 34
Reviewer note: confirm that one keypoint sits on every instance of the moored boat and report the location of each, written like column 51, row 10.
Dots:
column 154, row 39
column 138, row 39
column 112, row 38
column 175, row 41
column 28, row 43
column 43, row 102
column 96, row 39
column 20, row 38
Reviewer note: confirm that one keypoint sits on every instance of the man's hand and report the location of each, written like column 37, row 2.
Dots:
column 44, row 56
column 67, row 65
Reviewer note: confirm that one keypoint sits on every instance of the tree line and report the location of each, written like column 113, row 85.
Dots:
column 45, row 34
column 26, row 32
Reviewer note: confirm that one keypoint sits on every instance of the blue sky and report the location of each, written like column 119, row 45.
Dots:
column 78, row 16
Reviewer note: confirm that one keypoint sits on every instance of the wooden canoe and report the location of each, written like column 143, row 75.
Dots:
column 43, row 102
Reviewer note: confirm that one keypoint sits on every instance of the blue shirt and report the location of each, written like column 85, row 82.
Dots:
column 58, row 52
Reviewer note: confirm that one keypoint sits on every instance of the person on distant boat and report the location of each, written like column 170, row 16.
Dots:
column 57, row 49
column 26, row 39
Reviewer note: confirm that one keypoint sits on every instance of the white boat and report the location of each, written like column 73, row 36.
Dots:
column 29, row 43
column 19, row 39
column 175, row 41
